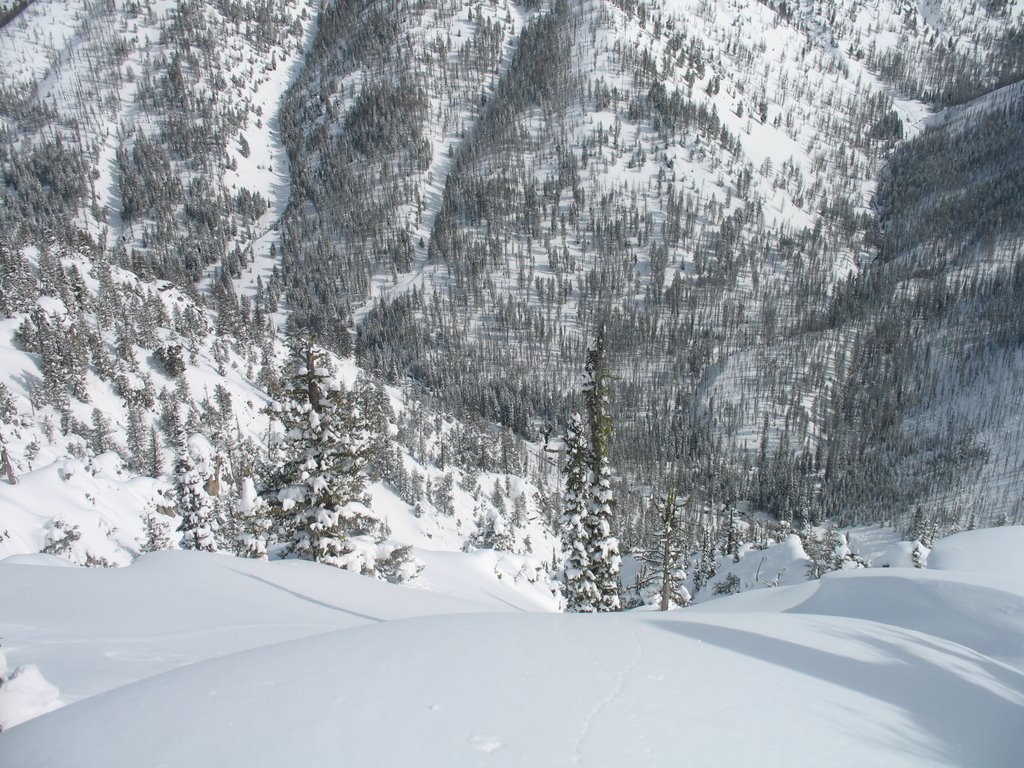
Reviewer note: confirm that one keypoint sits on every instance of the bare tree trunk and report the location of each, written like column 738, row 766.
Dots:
column 666, row 575
column 6, row 461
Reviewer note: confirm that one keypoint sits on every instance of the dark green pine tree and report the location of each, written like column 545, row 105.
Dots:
column 595, row 571
column 733, row 536
column 101, row 432
column 382, row 460
column 154, row 457
column 319, row 487
column 708, row 564
column 55, row 376
column 135, row 435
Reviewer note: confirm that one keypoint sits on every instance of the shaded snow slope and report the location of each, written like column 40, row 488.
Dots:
column 976, row 599
column 974, row 613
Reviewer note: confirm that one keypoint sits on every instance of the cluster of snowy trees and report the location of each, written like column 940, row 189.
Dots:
column 10, row 9
column 175, row 216
column 308, row 497
column 356, row 127
column 945, row 72
column 320, row 477
column 679, row 328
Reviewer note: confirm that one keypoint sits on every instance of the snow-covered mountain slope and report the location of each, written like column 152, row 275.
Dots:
column 167, row 113
column 839, row 668
column 474, row 186
column 700, row 177
column 93, row 477
column 947, row 298
column 143, row 141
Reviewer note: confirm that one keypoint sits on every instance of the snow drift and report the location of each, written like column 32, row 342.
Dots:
column 874, row 667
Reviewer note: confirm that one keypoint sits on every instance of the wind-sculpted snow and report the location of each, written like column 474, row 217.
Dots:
column 972, row 593
column 991, row 551
column 90, row 630
column 872, row 668
column 749, row 689
column 955, row 607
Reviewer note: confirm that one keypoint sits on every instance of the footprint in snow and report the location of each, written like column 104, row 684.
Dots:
column 485, row 743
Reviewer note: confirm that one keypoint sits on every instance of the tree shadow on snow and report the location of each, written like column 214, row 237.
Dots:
column 967, row 709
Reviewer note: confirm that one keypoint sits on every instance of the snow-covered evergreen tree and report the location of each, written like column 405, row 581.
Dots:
column 382, row 459
column 492, row 530
column 820, row 550
column 157, row 533
column 198, row 526
column 707, row 566
column 591, row 550
column 919, row 555
column 602, row 545
column 444, row 499
column 253, row 522
column 101, row 432
column 320, row 486
column 918, row 526
column 135, row 436
column 733, row 534
column 397, row 564
column 60, row 537
column 154, row 459
column 580, row 593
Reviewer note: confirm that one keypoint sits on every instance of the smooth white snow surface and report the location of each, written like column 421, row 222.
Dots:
column 893, row 667
column 992, row 551
column 92, row 629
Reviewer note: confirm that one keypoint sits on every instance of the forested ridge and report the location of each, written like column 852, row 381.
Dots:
column 763, row 349
column 810, row 292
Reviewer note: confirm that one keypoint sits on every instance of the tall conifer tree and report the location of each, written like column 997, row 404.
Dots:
column 580, row 595
column 592, row 560
column 320, row 486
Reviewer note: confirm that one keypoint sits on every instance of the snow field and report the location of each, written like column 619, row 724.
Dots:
column 896, row 667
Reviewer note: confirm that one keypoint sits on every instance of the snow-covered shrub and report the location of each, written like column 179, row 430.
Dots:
column 24, row 694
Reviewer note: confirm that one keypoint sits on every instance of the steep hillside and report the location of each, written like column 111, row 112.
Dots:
column 801, row 305
column 941, row 359
column 140, row 126
column 91, row 424
column 697, row 176
column 144, row 177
